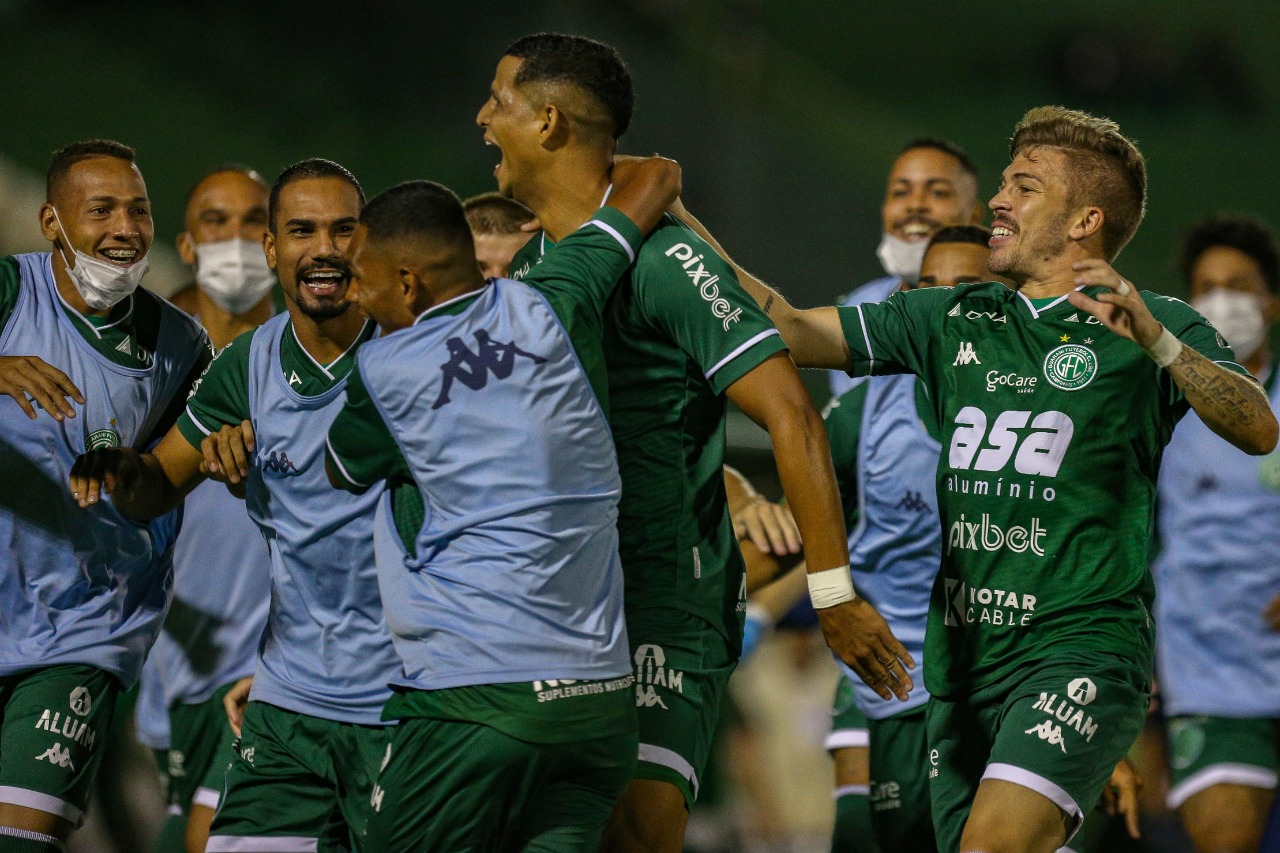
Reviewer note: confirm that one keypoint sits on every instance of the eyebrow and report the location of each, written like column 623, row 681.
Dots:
column 1028, row 176
column 111, row 198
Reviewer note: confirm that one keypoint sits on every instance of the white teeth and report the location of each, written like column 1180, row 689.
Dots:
column 1001, row 231
column 119, row 254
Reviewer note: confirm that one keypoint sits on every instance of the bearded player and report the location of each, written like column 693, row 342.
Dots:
column 1055, row 399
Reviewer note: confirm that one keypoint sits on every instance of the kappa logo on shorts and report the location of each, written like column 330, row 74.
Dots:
column 1068, row 714
column 1050, row 732
column 81, row 701
column 652, row 673
column 56, row 754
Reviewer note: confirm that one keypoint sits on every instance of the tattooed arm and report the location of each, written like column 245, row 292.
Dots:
column 814, row 335
column 1231, row 404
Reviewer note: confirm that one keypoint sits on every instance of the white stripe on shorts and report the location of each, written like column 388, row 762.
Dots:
column 667, row 758
column 41, row 802
column 260, row 844
column 1227, row 773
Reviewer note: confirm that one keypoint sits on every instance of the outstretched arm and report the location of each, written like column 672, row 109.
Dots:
column 773, row 396
column 813, row 335
column 141, row 485
column 1231, row 404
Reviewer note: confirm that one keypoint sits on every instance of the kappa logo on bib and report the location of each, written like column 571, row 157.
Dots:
column 1070, row 367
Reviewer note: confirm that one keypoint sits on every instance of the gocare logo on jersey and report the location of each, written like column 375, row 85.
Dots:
column 1021, row 384
column 707, row 283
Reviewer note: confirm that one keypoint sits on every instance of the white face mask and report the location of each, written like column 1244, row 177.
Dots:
column 901, row 258
column 234, row 273
column 100, row 284
column 1237, row 316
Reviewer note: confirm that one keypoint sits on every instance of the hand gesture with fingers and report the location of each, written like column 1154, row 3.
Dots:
column 228, row 453
column 235, row 701
column 108, row 471
column 1120, row 309
column 1121, row 794
column 769, row 526
column 28, row 376
column 862, row 639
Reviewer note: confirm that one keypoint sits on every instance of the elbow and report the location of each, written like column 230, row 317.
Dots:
column 1263, row 439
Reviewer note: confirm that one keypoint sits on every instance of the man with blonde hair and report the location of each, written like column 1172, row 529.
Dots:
column 1053, row 419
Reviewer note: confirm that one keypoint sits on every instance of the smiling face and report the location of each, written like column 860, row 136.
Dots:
column 314, row 223
column 102, row 210
column 1031, row 223
column 511, row 122
column 378, row 283
column 927, row 190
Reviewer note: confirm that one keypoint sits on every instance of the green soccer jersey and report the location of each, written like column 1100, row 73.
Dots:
column 679, row 330
column 1052, row 432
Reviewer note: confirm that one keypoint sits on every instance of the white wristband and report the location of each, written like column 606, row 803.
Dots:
column 1166, row 349
column 830, row 587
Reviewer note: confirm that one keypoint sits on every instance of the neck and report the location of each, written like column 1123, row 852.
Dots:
column 325, row 340
column 568, row 190
column 223, row 326
column 1055, row 275
column 442, row 290
column 67, row 288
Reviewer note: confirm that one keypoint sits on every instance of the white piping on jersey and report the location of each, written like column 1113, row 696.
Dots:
column 98, row 330
column 342, row 469
column 613, row 232
column 440, row 305
column 196, row 421
column 324, row 368
column 767, row 333
column 1035, row 313
column 866, row 339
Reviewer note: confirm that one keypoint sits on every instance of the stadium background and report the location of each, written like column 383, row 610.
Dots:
column 785, row 117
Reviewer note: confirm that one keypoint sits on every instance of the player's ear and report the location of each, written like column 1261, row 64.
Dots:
column 553, row 130
column 48, row 224
column 186, row 245
column 978, row 213
column 269, row 247
column 1087, row 223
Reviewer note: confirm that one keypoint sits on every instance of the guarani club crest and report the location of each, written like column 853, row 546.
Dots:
column 101, row 438
column 1070, row 367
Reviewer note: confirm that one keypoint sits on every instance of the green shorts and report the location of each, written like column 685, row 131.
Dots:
column 454, row 785
column 302, row 781
column 55, row 722
column 848, row 724
column 900, row 813
column 201, row 748
column 682, row 667
column 1058, row 727
column 1208, row 751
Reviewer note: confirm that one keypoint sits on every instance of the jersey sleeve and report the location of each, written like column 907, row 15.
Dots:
column 583, row 269
column 221, row 395
column 1188, row 326
column 359, row 447
column 10, row 287
column 892, row 336
column 843, row 419
column 690, row 293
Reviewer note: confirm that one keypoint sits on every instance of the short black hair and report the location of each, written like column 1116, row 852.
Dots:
column 946, row 146
column 976, row 234
column 417, row 209
column 248, row 171
column 1238, row 231
column 592, row 66
column 68, row 155
column 312, row 167
column 494, row 213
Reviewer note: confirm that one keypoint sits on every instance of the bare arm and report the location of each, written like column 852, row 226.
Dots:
column 141, row 485
column 773, row 396
column 1232, row 405
column 813, row 335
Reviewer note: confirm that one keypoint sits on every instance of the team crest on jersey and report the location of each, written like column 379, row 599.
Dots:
column 107, row 437
column 1070, row 367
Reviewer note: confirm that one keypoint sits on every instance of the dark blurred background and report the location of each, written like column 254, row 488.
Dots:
column 785, row 116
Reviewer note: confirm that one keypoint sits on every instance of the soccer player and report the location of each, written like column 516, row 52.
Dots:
column 932, row 185
column 680, row 337
column 312, row 737
column 496, row 222
column 1219, row 529
column 517, row 718
column 1054, row 400
column 210, row 638
column 83, row 593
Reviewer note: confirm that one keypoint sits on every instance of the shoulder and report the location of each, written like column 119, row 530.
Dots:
column 1170, row 310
